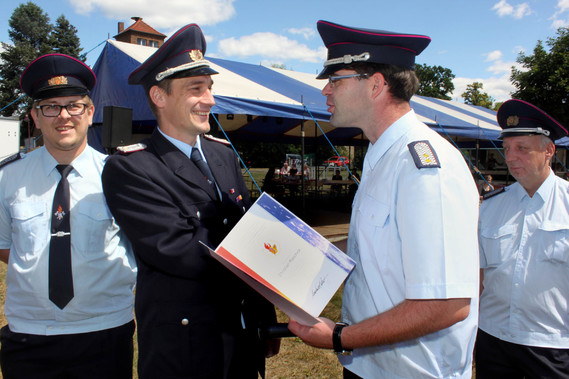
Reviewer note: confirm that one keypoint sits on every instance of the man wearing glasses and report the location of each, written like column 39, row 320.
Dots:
column 410, row 306
column 71, row 273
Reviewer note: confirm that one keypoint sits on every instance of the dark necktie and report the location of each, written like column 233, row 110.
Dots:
column 60, row 275
column 204, row 168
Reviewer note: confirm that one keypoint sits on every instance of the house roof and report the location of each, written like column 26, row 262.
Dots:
column 141, row 27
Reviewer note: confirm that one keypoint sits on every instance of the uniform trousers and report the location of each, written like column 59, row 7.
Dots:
column 496, row 358
column 102, row 354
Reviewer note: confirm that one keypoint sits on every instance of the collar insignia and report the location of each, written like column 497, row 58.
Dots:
column 57, row 81
column 512, row 121
column 196, row 55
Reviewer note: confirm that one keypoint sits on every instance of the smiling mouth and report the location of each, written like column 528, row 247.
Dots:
column 201, row 113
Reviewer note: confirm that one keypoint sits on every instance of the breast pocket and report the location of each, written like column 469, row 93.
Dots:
column 553, row 242
column 30, row 226
column 497, row 244
column 93, row 221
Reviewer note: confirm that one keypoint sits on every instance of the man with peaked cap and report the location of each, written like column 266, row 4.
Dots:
column 410, row 306
column 71, row 272
column 174, row 190
column 524, row 255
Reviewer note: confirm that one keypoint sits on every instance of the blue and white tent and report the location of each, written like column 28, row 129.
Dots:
column 254, row 102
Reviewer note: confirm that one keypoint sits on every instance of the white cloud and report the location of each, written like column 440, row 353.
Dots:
column 559, row 21
column 503, row 8
column 307, row 33
column 271, row 47
column 174, row 14
column 493, row 55
column 498, row 87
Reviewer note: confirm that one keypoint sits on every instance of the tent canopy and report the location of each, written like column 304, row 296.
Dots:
column 254, row 102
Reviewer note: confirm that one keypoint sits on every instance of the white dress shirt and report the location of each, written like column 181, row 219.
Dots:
column 104, row 269
column 524, row 251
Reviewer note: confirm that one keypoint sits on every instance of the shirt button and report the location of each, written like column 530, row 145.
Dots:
column 517, row 285
column 225, row 221
column 185, row 321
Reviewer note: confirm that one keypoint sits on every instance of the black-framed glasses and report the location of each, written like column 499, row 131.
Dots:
column 334, row 78
column 54, row 110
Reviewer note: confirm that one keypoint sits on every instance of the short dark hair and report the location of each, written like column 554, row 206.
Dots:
column 403, row 82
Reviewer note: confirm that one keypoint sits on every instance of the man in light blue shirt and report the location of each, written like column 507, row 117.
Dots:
column 89, row 333
column 410, row 307
column 524, row 255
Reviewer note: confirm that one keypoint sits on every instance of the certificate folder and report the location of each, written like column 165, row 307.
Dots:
column 284, row 259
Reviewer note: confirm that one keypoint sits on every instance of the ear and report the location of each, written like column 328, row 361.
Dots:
column 378, row 83
column 34, row 114
column 550, row 151
column 157, row 96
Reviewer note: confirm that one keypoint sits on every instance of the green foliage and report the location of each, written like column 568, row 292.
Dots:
column 32, row 36
column 435, row 81
column 544, row 79
column 474, row 96
column 64, row 39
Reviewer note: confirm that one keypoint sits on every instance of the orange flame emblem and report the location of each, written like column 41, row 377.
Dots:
column 273, row 249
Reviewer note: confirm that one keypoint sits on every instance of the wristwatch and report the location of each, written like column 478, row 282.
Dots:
column 337, row 339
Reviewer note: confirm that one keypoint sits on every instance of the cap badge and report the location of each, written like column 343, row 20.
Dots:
column 57, row 81
column 196, row 55
column 512, row 121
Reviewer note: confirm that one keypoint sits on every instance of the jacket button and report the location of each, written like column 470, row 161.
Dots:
column 244, row 210
column 198, row 214
column 185, row 321
column 225, row 221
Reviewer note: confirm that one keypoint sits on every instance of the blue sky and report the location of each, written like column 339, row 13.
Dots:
column 479, row 40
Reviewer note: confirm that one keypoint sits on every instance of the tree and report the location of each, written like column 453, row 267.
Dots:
column 474, row 95
column 544, row 79
column 435, row 81
column 64, row 39
column 29, row 32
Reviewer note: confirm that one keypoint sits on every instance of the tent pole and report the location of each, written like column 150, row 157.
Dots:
column 303, row 182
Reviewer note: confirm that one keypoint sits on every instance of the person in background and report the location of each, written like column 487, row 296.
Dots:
column 172, row 193
column 285, row 170
column 71, row 272
column 410, row 306
column 487, row 186
column 524, row 255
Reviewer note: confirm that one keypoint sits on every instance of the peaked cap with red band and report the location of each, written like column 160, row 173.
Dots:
column 347, row 45
column 520, row 118
column 182, row 55
column 57, row 75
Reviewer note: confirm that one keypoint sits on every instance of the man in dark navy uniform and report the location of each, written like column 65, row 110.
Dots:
column 168, row 193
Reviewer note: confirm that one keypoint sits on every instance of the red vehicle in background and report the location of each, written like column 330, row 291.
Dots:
column 337, row 161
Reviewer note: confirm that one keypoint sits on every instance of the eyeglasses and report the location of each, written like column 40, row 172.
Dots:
column 54, row 110
column 333, row 79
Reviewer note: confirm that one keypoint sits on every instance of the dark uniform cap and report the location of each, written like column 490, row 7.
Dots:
column 181, row 56
column 57, row 75
column 347, row 45
column 520, row 118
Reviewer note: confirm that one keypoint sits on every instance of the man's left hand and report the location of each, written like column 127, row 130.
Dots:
column 318, row 335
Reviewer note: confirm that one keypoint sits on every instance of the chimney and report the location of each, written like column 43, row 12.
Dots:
column 136, row 18
column 121, row 27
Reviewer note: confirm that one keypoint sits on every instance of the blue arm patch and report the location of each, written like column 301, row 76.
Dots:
column 423, row 154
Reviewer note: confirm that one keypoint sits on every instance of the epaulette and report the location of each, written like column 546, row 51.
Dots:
column 220, row 140
column 10, row 159
column 493, row 193
column 423, row 154
column 131, row 148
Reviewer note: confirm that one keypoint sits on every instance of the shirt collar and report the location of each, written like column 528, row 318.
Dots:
column 389, row 137
column 182, row 146
column 81, row 164
column 543, row 191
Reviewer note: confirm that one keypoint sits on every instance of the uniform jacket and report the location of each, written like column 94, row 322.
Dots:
column 188, row 306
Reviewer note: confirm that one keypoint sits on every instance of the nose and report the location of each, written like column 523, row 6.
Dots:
column 327, row 90
column 208, row 97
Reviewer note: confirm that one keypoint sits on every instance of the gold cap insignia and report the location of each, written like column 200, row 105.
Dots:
column 57, row 81
column 512, row 121
column 196, row 55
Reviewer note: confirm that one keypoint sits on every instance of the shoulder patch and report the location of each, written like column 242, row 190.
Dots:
column 423, row 154
column 131, row 148
column 494, row 193
column 10, row 159
column 220, row 140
